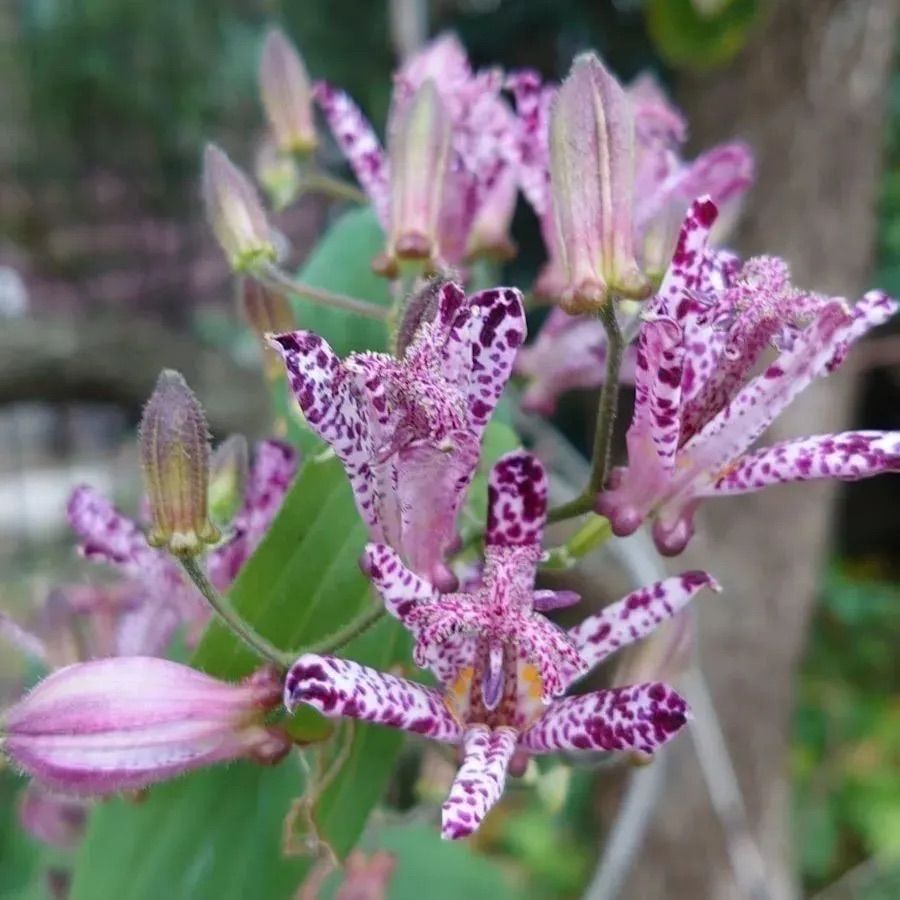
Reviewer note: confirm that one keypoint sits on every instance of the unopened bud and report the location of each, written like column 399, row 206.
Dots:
column 489, row 237
column 592, row 181
column 267, row 312
column 286, row 95
column 419, row 146
column 124, row 723
column 174, row 445
column 235, row 212
column 228, row 478
column 279, row 176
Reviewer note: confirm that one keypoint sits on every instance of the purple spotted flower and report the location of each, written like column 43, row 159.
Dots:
column 664, row 184
column 408, row 430
column 569, row 353
column 502, row 665
column 161, row 598
column 698, row 407
column 442, row 190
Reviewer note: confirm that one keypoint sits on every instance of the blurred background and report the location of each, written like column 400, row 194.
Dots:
column 108, row 273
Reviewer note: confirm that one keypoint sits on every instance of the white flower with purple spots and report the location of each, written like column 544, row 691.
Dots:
column 502, row 665
column 408, row 430
column 163, row 598
column 697, row 408
column 450, row 152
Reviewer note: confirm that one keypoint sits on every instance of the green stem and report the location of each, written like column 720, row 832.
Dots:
column 226, row 612
column 594, row 532
column 279, row 280
column 336, row 188
column 353, row 629
column 606, row 418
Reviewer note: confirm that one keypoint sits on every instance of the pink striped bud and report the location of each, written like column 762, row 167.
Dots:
column 174, row 444
column 124, row 723
column 235, row 213
column 419, row 147
column 592, row 182
column 286, row 95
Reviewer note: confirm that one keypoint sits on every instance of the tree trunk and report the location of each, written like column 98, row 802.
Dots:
column 809, row 94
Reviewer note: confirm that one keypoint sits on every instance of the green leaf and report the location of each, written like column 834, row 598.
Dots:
column 450, row 869
column 22, row 859
column 216, row 835
column 342, row 262
column 690, row 35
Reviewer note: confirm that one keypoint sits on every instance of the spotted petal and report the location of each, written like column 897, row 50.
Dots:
column 358, row 143
column 324, row 390
column 498, row 330
column 401, row 589
column 480, row 781
column 850, row 456
column 636, row 615
column 517, row 501
column 639, row 717
column 339, row 687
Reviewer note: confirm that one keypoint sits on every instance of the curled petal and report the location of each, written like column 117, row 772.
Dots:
column 480, row 781
column 338, row 687
column 637, row 615
column 517, row 501
column 850, row 456
column 639, row 717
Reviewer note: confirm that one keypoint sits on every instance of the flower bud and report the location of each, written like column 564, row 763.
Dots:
column 279, row 177
column 267, row 312
column 228, row 477
column 286, row 95
column 174, row 444
column 235, row 212
column 419, row 146
column 592, row 182
column 124, row 723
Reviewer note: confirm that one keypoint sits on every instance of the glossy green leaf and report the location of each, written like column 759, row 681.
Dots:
column 449, row 869
column 216, row 835
column 699, row 35
column 342, row 262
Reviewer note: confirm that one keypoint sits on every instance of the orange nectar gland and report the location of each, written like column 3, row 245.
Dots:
column 174, row 445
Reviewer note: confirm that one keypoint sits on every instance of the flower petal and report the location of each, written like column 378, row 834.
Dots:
column 273, row 469
column 517, row 501
column 480, row 781
column 339, row 687
column 636, row 615
column 401, row 589
column 498, row 319
column 638, row 717
column 323, row 387
column 850, row 456
column 359, row 145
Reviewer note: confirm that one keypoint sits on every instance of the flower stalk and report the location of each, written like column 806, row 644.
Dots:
column 275, row 278
column 606, row 420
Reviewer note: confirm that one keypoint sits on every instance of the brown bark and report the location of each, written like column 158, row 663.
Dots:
column 809, row 94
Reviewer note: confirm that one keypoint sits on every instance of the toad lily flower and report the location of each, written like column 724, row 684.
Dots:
column 503, row 666
column 443, row 188
column 408, row 430
column 121, row 724
column 698, row 411
column 163, row 597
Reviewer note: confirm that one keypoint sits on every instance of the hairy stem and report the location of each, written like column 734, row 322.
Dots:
column 353, row 629
column 606, row 419
column 277, row 279
column 226, row 612
column 335, row 188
